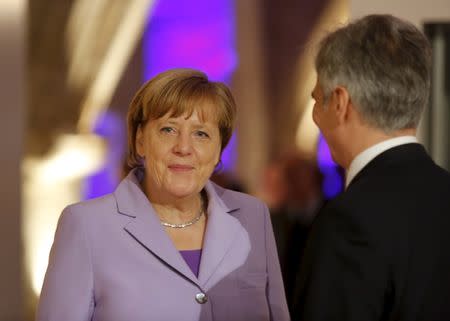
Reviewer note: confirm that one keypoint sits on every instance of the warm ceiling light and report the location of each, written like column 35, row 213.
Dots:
column 101, row 38
column 336, row 13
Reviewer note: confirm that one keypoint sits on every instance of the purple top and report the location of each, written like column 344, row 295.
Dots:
column 192, row 258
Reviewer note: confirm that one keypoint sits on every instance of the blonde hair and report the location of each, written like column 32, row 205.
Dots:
column 180, row 92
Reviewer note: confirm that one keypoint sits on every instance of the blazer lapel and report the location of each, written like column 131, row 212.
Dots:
column 144, row 225
column 221, row 230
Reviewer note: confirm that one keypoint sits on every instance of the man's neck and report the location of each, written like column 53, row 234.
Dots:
column 370, row 137
column 366, row 156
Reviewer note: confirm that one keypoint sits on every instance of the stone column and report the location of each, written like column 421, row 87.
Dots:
column 13, row 93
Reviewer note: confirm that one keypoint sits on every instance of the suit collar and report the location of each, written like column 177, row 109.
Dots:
column 144, row 226
column 401, row 154
column 361, row 160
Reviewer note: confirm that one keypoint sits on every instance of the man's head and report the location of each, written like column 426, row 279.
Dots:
column 380, row 66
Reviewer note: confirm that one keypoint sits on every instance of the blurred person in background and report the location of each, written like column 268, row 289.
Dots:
column 168, row 244
column 296, row 184
column 227, row 180
column 379, row 250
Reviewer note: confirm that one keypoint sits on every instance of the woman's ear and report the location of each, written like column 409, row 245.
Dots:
column 139, row 142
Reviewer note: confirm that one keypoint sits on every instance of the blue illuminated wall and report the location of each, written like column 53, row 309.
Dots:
column 197, row 34
column 333, row 179
column 111, row 127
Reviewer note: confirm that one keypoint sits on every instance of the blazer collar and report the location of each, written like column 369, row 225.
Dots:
column 144, row 226
column 221, row 231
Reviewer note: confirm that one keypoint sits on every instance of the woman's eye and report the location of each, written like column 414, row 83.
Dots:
column 202, row 134
column 167, row 130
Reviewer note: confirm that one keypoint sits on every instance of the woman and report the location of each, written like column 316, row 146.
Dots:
column 168, row 244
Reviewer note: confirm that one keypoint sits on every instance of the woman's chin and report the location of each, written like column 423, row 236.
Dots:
column 182, row 191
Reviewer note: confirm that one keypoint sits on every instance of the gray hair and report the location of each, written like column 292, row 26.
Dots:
column 384, row 63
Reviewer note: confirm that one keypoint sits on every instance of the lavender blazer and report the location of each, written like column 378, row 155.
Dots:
column 111, row 260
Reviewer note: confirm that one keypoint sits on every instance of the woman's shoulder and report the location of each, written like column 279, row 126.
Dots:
column 91, row 217
column 237, row 199
column 99, row 205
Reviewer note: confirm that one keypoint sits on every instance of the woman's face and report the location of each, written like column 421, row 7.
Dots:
column 180, row 154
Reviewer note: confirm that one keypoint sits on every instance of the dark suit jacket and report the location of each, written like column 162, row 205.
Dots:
column 381, row 250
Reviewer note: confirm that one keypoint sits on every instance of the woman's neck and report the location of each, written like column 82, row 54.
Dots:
column 176, row 210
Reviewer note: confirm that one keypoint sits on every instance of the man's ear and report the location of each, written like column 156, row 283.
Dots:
column 342, row 102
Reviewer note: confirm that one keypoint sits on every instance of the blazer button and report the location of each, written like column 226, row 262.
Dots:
column 201, row 298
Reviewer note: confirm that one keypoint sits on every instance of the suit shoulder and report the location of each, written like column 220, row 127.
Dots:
column 400, row 183
column 87, row 208
column 443, row 174
column 89, row 216
column 234, row 199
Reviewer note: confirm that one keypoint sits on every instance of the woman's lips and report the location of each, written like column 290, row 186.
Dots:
column 180, row 168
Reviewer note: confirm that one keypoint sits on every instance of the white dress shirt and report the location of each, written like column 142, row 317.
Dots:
column 362, row 159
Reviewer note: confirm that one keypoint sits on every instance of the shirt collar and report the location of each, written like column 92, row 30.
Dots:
column 362, row 159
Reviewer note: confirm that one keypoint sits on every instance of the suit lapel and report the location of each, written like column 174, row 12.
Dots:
column 144, row 225
column 221, row 232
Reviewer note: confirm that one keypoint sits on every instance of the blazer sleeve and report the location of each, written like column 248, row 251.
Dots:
column 344, row 276
column 67, row 292
column 275, row 289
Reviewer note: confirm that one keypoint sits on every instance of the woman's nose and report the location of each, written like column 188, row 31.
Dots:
column 183, row 144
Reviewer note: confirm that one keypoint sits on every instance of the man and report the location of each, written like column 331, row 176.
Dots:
column 380, row 250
